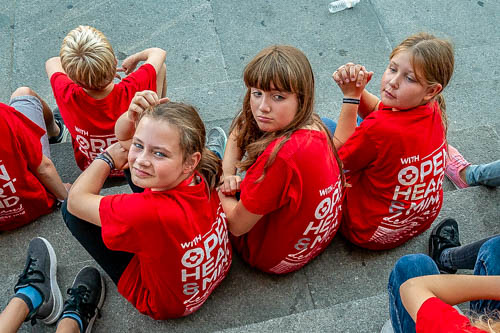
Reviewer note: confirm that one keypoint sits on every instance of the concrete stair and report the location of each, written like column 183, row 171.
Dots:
column 209, row 42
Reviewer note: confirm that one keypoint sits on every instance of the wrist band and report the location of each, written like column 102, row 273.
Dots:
column 104, row 156
column 350, row 100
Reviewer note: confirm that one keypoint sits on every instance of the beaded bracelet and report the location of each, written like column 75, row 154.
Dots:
column 350, row 100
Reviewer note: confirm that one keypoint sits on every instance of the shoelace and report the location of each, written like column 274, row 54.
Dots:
column 79, row 300
column 26, row 276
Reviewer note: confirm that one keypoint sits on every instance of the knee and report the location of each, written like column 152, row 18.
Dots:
column 414, row 265
column 23, row 91
column 490, row 249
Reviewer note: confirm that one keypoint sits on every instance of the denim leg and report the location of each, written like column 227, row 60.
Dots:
column 330, row 124
column 406, row 267
column 462, row 257
column 488, row 263
column 483, row 174
column 89, row 236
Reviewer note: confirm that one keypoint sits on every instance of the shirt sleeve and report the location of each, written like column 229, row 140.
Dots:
column 62, row 87
column 436, row 316
column 273, row 192
column 144, row 78
column 360, row 150
column 125, row 220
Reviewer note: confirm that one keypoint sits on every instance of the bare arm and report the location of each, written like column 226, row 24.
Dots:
column 84, row 198
column 451, row 289
column 232, row 155
column 239, row 219
column 48, row 176
column 53, row 65
column 368, row 104
column 352, row 80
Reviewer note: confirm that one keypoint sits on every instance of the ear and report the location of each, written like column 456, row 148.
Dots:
column 433, row 91
column 191, row 162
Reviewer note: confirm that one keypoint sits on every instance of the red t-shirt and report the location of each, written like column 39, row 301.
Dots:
column 436, row 316
column 90, row 121
column 23, row 198
column 181, row 246
column 395, row 163
column 300, row 199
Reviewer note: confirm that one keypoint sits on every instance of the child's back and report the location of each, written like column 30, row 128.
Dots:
column 395, row 159
column 396, row 168
column 23, row 197
column 88, row 100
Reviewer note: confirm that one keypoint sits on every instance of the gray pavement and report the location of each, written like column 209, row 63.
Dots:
column 208, row 44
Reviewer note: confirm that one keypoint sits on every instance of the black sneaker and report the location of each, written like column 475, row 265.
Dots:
column 443, row 236
column 40, row 273
column 63, row 130
column 86, row 297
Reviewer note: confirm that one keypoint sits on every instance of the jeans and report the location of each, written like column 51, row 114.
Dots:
column 89, row 235
column 462, row 257
column 332, row 125
column 483, row 174
column 413, row 265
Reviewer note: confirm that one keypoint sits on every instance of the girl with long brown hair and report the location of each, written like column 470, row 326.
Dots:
column 289, row 207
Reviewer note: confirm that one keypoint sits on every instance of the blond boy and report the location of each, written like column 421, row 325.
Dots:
column 88, row 99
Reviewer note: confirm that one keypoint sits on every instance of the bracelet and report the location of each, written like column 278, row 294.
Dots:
column 350, row 100
column 104, row 156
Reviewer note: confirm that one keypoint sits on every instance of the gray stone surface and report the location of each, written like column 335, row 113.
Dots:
column 366, row 315
column 208, row 44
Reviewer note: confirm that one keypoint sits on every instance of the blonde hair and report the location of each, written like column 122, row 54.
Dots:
column 287, row 69
column 487, row 322
column 192, row 137
column 88, row 58
column 433, row 62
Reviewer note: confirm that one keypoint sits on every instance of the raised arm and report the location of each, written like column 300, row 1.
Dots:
column 53, row 65
column 48, row 176
column 232, row 155
column 125, row 125
column 352, row 80
column 451, row 289
column 156, row 58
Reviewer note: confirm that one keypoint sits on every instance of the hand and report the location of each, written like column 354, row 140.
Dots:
column 230, row 185
column 119, row 155
column 142, row 101
column 352, row 79
column 129, row 64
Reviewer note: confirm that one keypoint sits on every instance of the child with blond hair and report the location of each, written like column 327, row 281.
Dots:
column 88, row 99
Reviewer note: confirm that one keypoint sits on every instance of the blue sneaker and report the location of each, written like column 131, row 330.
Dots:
column 216, row 141
column 63, row 135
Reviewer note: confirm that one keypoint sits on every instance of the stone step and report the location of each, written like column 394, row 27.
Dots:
column 364, row 315
column 343, row 273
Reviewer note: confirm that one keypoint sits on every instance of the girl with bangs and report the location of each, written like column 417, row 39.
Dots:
column 289, row 208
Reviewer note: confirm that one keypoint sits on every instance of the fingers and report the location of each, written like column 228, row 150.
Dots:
column 164, row 100
column 231, row 185
column 351, row 72
column 120, row 69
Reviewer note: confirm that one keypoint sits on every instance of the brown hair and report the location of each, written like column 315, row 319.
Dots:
column 287, row 69
column 88, row 58
column 433, row 62
column 192, row 137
